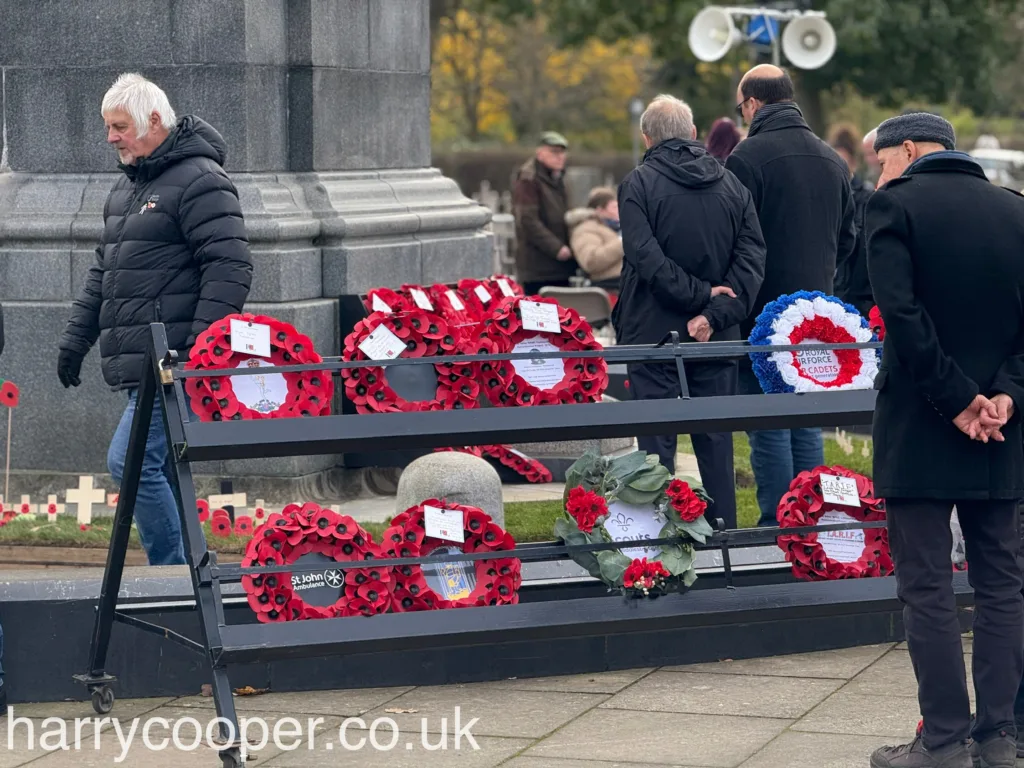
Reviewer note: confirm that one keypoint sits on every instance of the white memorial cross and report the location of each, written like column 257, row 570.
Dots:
column 84, row 496
column 235, row 500
column 53, row 508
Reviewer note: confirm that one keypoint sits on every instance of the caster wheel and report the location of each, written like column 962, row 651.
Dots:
column 231, row 759
column 103, row 699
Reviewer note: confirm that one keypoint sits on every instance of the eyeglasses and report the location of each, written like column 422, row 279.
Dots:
column 739, row 107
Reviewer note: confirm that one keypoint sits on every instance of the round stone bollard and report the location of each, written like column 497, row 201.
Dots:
column 454, row 477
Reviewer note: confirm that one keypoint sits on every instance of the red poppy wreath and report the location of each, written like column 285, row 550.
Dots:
column 262, row 396
column 451, row 585
column 299, row 531
column 531, row 469
column 406, row 334
column 540, row 381
column 843, row 554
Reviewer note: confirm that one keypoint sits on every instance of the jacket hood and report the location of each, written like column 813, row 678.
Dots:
column 776, row 117
column 684, row 161
column 577, row 216
column 191, row 137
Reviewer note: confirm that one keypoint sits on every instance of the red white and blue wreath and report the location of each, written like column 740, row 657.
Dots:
column 812, row 318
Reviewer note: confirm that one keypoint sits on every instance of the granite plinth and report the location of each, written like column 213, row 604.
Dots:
column 455, row 477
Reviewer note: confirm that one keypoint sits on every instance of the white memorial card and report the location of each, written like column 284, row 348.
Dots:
column 455, row 301
column 444, row 524
column 421, row 299
column 506, row 289
column 382, row 344
column 840, row 490
column 250, row 338
column 628, row 522
column 483, row 294
column 539, row 317
column 539, row 373
column 379, row 305
column 841, row 546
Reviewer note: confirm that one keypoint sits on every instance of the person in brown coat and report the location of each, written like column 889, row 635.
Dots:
column 540, row 202
column 596, row 238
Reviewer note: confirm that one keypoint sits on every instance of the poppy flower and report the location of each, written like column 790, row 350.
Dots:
column 84, row 527
column 217, row 513
column 243, row 525
column 9, row 394
column 259, row 513
column 221, row 526
column 203, row 508
column 357, row 606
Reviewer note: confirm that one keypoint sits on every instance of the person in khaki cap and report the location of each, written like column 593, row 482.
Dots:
column 540, row 202
column 596, row 238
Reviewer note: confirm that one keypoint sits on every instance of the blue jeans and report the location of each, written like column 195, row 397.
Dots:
column 156, row 509
column 778, row 455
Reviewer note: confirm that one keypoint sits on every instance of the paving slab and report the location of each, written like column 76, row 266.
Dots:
column 509, row 713
column 491, row 752
column 598, row 682
column 817, row 749
column 124, row 709
column 746, row 695
column 893, row 675
column 660, row 738
column 348, row 703
column 557, row 762
column 856, row 714
column 840, row 664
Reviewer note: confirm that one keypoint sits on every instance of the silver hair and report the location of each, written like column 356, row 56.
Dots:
column 869, row 137
column 666, row 117
column 140, row 98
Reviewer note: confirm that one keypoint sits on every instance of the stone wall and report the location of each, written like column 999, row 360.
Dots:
column 324, row 105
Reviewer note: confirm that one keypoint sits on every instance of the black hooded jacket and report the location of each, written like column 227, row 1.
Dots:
column 688, row 225
column 174, row 250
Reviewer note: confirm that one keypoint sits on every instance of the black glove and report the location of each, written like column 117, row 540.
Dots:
column 69, row 366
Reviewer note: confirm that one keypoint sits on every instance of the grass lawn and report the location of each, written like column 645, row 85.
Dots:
column 526, row 521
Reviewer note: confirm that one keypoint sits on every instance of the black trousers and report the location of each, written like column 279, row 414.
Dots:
column 921, row 541
column 714, row 451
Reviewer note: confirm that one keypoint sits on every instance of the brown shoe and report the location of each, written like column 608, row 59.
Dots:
column 997, row 751
column 914, row 755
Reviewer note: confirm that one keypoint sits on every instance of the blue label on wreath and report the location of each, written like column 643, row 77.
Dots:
column 814, row 319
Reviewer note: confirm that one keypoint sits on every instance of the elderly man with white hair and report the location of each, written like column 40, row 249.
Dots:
column 174, row 251
column 694, row 262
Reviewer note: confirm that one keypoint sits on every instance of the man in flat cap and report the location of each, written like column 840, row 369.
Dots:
column 540, row 202
column 946, row 262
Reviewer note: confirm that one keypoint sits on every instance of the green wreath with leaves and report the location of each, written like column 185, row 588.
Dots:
column 637, row 478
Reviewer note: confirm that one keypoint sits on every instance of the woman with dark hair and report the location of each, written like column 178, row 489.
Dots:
column 722, row 139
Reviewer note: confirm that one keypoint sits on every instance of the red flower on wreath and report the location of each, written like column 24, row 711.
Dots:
column 684, row 501
column 531, row 469
column 221, row 526
column 584, row 379
column 644, row 575
column 213, row 398
column 804, row 505
column 586, row 507
column 425, row 335
column 388, row 301
column 243, row 526
column 203, row 508
column 876, row 323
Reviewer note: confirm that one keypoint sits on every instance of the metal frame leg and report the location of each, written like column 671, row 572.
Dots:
column 97, row 680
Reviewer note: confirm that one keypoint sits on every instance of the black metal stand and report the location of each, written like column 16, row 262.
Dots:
column 224, row 644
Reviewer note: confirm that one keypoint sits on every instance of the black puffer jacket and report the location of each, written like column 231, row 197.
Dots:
column 688, row 225
column 174, row 250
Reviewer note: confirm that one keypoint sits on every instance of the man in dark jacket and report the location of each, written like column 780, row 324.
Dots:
column 943, row 241
column 173, row 251
column 852, row 283
column 694, row 260
column 540, row 202
column 802, row 194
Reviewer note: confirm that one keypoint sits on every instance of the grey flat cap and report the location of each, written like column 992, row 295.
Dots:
column 917, row 126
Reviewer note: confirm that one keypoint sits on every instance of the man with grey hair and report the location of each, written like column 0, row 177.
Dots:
column 947, row 431
column 693, row 263
column 173, row 251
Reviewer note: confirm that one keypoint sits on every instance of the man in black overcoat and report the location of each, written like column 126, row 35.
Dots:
column 946, row 261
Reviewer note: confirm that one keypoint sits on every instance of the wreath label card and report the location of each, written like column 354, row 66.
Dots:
column 455, row 301
column 840, row 490
column 506, row 289
column 263, row 393
column 635, row 521
column 319, row 588
column 382, row 344
column 542, row 373
column 379, row 305
column 822, row 365
column 452, row 581
column 421, row 299
column 841, row 546
column 483, row 294
column 539, row 317
column 250, row 338
column 444, row 524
